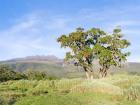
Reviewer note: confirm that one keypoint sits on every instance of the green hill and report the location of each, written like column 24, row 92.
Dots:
column 49, row 64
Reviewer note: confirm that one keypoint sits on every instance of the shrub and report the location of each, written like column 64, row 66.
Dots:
column 6, row 73
column 35, row 75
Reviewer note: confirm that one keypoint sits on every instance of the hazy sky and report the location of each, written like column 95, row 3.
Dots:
column 31, row 27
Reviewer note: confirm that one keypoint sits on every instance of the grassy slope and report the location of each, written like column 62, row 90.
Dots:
column 113, row 90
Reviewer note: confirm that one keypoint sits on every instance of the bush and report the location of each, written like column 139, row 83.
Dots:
column 6, row 73
column 35, row 75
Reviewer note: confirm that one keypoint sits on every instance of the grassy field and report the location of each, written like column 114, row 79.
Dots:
column 118, row 89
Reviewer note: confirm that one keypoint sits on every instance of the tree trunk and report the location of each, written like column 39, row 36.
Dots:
column 92, row 76
column 89, row 74
column 103, row 72
column 100, row 73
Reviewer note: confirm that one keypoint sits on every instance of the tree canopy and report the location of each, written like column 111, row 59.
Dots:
column 95, row 44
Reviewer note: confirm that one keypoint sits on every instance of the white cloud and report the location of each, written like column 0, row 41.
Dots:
column 32, row 35
column 36, row 34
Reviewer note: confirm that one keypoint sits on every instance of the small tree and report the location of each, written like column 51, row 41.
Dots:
column 95, row 44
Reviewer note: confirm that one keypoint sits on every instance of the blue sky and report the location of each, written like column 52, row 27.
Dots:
column 31, row 27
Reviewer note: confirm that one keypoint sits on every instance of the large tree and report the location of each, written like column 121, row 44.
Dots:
column 94, row 44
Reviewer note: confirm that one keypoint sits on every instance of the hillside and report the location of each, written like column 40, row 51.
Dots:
column 50, row 64
column 118, row 89
column 55, row 66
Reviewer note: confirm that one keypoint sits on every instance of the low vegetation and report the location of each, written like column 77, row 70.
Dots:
column 6, row 73
column 117, row 89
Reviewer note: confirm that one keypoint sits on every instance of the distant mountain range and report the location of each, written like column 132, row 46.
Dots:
column 55, row 66
column 36, row 58
column 50, row 64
